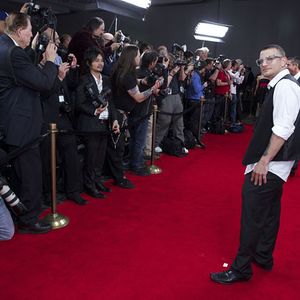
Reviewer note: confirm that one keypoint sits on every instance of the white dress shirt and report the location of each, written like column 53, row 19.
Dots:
column 286, row 105
column 237, row 78
column 99, row 83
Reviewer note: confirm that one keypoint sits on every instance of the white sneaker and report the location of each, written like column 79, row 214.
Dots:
column 158, row 149
column 184, row 150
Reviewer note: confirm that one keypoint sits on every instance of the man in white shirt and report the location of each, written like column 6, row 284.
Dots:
column 269, row 160
column 237, row 76
column 293, row 65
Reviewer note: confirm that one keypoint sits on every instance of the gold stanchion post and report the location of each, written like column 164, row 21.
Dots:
column 152, row 168
column 55, row 219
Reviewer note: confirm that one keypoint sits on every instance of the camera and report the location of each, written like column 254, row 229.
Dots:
column 156, row 73
column 178, row 52
column 162, row 59
column 121, row 37
column 42, row 43
column 199, row 65
column 41, row 16
column 97, row 99
column 65, row 107
column 63, row 53
column 10, row 198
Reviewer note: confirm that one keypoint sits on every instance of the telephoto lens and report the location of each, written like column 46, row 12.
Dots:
column 17, row 207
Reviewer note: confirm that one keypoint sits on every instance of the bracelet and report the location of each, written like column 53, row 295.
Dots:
column 171, row 75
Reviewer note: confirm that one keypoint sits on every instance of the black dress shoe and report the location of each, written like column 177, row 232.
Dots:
column 101, row 187
column 38, row 227
column 125, row 184
column 93, row 192
column 227, row 277
column 77, row 199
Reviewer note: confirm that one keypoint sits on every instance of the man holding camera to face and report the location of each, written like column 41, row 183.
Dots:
column 21, row 113
column 58, row 108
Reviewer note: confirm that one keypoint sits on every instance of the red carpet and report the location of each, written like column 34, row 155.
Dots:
column 159, row 241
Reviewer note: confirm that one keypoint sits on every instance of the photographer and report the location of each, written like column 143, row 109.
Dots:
column 172, row 104
column 237, row 76
column 7, row 227
column 222, row 90
column 194, row 95
column 90, row 36
column 96, row 114
column 21, row 112
column 58, row 108
column 210, row 75
column 137, row 122
column 126, row 95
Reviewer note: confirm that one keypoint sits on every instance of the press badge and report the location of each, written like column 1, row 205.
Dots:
column 61, row 98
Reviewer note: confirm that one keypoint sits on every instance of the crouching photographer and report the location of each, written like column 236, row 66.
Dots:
column 7, row 228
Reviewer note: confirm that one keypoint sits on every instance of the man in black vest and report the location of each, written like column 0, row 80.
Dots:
column 21, row 112
column 269, row 159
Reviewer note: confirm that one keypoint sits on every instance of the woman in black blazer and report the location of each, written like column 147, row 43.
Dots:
column 96, row 115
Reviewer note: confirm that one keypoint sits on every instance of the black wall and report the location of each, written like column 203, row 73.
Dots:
column 255, row 23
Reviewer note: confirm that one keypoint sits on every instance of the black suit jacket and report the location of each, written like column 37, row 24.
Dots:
column 87, row 121
column 20, row 84
column 53, row 109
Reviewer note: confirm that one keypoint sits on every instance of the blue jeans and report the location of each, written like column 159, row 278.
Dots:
column 138, row 136
column 7, row 228
column 234, row 101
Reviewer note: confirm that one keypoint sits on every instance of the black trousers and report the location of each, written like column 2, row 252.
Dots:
column 67, row 150
column 219, row 110
column 115, row 155
column 259, row 223
column 28, row 168
column 192, row 118
column 96, row 146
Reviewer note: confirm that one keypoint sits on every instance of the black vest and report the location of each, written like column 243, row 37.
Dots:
column 263, row 131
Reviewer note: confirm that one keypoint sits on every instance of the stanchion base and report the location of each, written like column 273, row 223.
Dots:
column 154, row 169
column 56, row 220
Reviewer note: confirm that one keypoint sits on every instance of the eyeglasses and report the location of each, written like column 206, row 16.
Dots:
column 268, row 60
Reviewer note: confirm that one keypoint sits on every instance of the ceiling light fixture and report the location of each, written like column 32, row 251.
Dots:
column 140, row 3
column 211, row 29
column 208, row 38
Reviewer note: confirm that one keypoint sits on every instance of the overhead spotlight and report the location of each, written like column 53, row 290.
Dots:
column 211, row 29
column 140, row 3
column 208, row 38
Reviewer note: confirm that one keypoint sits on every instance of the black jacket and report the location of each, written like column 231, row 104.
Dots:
column 55, row 111
column 86, row 120
column 20, row 84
